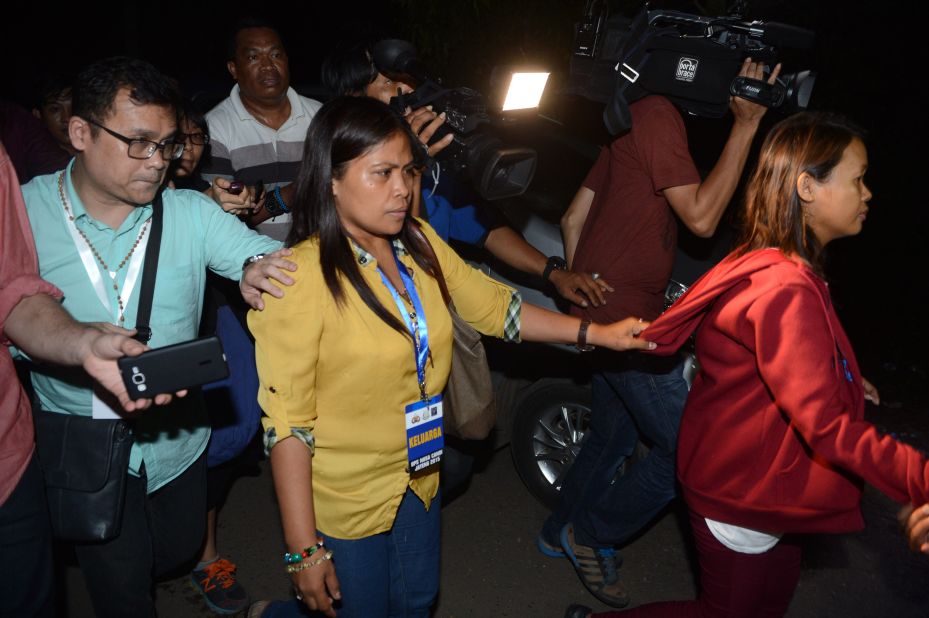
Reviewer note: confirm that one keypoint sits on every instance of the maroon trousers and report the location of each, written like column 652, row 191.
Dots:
column 732, row 585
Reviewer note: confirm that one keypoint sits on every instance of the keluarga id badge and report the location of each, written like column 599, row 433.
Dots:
column 424, row 437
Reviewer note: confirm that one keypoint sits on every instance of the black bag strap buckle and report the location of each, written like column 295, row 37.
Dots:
column 143, row 334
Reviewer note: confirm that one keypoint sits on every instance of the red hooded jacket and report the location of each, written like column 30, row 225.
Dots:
column 773, row 436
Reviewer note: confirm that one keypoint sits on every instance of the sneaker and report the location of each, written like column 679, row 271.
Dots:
column 217, row 583
column 597, row 567
column 547, row 549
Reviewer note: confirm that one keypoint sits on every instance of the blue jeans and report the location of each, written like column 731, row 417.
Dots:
column 645, row 398
column 393, row 574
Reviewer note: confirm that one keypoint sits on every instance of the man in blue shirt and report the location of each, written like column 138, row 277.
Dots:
column 91, row 225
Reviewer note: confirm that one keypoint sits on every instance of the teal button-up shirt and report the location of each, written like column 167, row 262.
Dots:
column 197, row 235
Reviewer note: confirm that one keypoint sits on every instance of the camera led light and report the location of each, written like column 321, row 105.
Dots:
column 525, row 91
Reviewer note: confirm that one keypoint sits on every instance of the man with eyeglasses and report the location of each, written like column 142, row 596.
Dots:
column 257, row 132
column 91, row 225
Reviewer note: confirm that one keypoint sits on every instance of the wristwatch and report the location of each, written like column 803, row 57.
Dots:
column 252, row 259
column 274, row 203
column 582, row 345
column 555, row 262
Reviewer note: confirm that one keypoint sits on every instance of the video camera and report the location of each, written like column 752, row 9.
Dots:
column 692, row 60
column 496, row 171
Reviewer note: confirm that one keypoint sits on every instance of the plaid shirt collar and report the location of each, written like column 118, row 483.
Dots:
column 364, row 258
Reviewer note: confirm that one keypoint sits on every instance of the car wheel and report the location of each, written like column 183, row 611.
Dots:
column 548, row 431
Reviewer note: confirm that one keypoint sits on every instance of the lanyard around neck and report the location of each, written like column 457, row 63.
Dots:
column 93, row 269
column 414, row 320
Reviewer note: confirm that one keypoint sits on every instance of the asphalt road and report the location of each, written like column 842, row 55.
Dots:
column 490, row 566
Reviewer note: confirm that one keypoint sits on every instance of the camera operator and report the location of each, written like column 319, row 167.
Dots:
column 622, row 223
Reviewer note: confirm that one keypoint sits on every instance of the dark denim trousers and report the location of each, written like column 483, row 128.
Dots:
column 644, row 398
column 26, row 577
column 394, row 574
column 161, row 531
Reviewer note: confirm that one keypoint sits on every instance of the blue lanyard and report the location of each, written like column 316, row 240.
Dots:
column 415, row 320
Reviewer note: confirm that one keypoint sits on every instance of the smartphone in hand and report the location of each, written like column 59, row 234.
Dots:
column 174, row 367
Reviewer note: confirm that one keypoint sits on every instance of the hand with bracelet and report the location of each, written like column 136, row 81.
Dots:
column 316, row 583
column 317, row 590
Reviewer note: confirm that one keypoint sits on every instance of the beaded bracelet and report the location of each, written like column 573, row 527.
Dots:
column 301, row 556
column 296, row 568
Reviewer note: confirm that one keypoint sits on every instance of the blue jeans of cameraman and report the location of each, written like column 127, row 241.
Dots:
column 644, row 396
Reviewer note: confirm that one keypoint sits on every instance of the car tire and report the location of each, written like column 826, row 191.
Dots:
column 548, row 430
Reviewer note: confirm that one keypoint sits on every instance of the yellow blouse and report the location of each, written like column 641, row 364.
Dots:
column 346, row 376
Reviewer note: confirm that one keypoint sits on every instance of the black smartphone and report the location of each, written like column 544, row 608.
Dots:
column 259, row 191
column 174, row 367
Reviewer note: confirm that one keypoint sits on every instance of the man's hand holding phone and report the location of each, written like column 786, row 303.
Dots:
column 172, row 368
column 101, row 348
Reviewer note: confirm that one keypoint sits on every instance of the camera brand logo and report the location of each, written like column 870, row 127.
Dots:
column 686, row 69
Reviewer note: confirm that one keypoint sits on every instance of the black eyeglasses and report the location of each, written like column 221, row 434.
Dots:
column 171, row 149
column 197, row 139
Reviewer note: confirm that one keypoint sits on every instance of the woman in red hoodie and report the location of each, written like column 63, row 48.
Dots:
column 773, row 441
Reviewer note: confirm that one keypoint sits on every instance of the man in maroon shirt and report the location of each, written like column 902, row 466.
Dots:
column 622, row 225
column 32, row 318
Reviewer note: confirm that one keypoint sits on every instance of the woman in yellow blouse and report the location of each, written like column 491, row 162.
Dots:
column 352, row 362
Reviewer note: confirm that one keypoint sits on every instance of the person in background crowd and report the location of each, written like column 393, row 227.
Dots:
column 29, row 145
column 52, row 105
column 233, row 408
column 773, row 442
column 257, row 132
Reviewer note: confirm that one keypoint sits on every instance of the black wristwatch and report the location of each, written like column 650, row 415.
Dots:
column 274, row 203
column 554, row 263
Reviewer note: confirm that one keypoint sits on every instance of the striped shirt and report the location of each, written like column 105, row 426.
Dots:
column 245, row 149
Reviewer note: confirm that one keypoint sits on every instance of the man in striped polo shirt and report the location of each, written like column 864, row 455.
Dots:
column 257, row 132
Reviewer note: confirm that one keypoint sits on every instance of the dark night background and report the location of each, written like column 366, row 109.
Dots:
column 871, row 58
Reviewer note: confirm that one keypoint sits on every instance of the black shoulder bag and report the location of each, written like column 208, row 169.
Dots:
column 85, row 461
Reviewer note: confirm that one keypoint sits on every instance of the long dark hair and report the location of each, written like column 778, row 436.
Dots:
column 344, row 129
column 808, row 142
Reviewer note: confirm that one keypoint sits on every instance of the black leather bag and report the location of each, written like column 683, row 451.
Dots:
column 85, row 462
